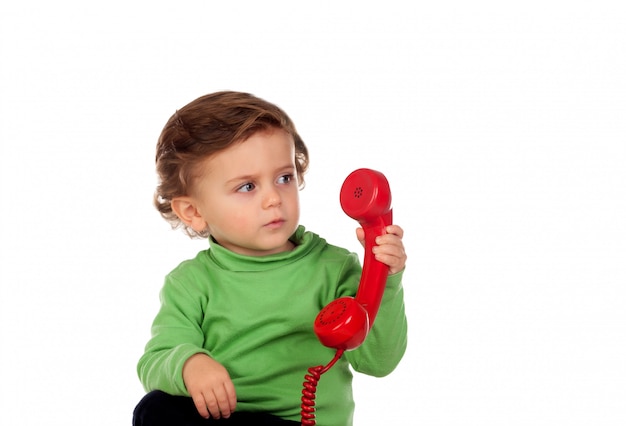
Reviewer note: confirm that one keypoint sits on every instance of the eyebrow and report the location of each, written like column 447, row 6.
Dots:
column 291, row 167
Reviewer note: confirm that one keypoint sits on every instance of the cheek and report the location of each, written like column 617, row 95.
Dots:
column 293, row 203
column 238, row 216
column 234, row 218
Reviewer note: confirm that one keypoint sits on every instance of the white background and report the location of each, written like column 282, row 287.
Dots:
column 501, row 127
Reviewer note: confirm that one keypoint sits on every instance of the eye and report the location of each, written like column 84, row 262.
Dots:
column 285, row 178
column 246, row 187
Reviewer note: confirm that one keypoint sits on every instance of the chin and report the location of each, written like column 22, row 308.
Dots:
column 278, row 247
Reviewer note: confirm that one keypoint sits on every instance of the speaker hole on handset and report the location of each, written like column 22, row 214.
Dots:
column 358, row 192
column 331, row 313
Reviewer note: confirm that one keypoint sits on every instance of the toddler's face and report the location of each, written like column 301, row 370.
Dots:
column 248, row 194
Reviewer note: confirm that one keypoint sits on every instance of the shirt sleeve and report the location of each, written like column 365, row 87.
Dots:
column 386, row 342
column 176, row 335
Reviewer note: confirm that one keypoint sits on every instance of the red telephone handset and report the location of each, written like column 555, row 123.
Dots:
column 345, row 322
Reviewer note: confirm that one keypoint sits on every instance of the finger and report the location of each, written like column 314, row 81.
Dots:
column 395, row 230
column 199, row 402
column 395, row 265
column 232, row 395
column 213, row 406
column 389, row 251
column 392, row 256
column 360, row 235
column 389, row 240
column 224, row 402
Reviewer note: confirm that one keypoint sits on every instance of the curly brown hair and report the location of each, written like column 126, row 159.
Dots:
column 205, row 127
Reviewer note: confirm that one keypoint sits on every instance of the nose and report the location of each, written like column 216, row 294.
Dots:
column 271, row 198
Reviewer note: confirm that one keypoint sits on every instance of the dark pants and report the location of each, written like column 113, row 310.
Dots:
column 161, row 409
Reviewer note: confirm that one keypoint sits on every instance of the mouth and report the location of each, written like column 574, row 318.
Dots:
column 276, row 223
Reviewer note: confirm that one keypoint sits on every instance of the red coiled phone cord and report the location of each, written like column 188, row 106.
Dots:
column 310, row 386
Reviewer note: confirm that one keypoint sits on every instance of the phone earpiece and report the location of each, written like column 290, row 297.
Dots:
column 365, row 195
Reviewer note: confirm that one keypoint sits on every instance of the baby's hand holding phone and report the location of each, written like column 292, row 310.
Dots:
column 389, row 248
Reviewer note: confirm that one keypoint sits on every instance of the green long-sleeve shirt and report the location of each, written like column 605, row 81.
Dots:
column 255, row 316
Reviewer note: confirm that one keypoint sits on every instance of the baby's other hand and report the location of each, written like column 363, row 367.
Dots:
column 389, row 248
column 209, row 386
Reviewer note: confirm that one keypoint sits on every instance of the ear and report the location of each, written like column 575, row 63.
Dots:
column 186, row 210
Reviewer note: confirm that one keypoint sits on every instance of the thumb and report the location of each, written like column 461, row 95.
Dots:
column 360, row 235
